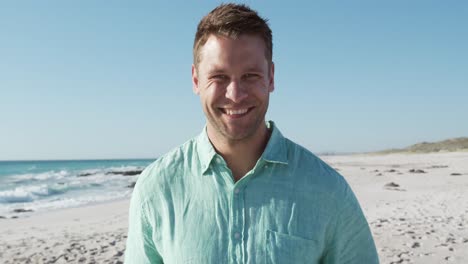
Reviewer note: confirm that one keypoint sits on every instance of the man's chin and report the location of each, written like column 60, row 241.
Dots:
column 238, row 134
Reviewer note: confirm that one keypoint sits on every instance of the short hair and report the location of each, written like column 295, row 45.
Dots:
column 232, row 20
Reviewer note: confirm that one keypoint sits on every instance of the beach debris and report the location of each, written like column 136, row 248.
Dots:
column 20, row 210
column 54, row 259
column 380, row 174
column 416, row 245
column 2, row 217
column 392, row 185
column 417, row 171
column 402, row 257
column 392, row 170
column 449, row 258
column 455, row 174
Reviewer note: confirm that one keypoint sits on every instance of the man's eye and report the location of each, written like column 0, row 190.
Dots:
column 219, row 77
column 251, row 76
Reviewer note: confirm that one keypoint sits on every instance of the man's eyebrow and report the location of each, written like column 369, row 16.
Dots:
column 254, row 68
column 216, row 70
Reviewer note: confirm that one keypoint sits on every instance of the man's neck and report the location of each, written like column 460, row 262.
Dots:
column 240, row 155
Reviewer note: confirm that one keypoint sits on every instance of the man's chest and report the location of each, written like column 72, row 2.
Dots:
column 258, row 222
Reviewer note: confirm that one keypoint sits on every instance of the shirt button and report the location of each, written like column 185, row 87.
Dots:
column 236, row 191
column 237, row 235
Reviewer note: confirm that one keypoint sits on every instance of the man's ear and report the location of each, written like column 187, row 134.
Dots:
column 271, row 76
column 195, row 87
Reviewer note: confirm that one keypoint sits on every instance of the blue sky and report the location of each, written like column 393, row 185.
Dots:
column 111, row 79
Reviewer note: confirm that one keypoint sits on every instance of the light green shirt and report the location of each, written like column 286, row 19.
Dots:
column 290, row 208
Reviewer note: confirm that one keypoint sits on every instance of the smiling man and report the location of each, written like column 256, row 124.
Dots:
column 240, row 192
column 234, row 78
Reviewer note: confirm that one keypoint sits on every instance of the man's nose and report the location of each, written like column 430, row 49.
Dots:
column 235, row 91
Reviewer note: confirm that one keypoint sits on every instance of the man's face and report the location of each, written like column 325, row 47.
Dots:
column 234, row 80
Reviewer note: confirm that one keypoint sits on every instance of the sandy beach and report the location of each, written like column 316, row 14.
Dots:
column 416, row 205
column 91, row 234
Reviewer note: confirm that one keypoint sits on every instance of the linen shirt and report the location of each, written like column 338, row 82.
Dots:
column 290, row 208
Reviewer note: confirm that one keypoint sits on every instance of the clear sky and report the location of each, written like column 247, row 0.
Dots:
column 111, row 79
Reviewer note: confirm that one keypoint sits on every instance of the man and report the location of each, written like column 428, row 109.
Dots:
column 240, row 192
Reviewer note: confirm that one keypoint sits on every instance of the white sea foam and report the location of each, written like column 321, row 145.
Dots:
column 56, row 189
column 29, row 193
column 17, row 195
column 62, row 202
column 49, row 175
column 124, row 168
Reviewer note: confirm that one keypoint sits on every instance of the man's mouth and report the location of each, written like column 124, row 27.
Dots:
column 235, row 112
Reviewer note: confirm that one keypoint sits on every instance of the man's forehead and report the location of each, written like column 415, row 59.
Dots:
column 220, row 52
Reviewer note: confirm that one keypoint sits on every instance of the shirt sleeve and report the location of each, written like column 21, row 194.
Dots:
column 350, row 236
column 140, row 246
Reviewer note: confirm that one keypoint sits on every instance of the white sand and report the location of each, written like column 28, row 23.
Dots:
column 92, row 234
column 423, row 220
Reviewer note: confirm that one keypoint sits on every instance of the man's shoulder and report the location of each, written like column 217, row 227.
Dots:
column 167, row 167
column 302, row 157
column 313, row 171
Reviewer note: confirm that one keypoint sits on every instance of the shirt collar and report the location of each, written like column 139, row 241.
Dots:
column 275, row 151
column 206, row 151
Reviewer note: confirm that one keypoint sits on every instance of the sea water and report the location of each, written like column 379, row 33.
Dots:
column 42, row 186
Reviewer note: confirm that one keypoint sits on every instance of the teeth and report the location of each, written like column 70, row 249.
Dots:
column 236, row 112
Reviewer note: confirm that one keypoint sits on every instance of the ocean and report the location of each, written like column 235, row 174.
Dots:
column 28, row 187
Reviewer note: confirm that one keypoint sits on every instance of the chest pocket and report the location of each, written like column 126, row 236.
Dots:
column 283, row 248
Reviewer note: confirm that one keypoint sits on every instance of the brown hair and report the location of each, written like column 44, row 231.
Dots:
column 232, row 20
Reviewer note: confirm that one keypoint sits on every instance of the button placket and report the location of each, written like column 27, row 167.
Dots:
column 237, row 224
column 237, row 208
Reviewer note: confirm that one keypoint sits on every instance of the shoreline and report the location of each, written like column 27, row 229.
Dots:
column 100, row 211
column 28, row 214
